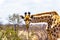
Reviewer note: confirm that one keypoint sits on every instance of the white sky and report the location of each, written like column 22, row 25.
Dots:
column 20, row 6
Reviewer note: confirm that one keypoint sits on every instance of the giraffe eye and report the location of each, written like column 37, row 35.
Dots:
column 52, row 19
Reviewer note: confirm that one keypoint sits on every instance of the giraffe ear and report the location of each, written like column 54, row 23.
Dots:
column 31, row 16
column 22, row 17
